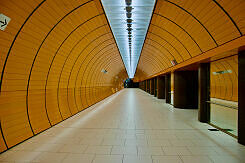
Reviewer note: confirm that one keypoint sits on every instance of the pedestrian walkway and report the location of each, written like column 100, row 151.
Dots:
column 130, row 126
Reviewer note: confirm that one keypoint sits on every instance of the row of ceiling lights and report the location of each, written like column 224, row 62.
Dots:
column 129, row 21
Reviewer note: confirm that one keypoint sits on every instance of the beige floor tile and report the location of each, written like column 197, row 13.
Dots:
column 23, row 156
column 66, row 140
column 196, row 159
column 204, row 143
column 146, row 136
column 30, row 146
column 136, row 142
column 73, row 148
column 202, row 151
column 48, row 147
column 91, row 141
column 50, row 157
column 108, row 159
column 181, row 142
column 126, row 136
column 159, row 142
column 137, row 159
column 128, row 150
column 150, row 151
column 98, row 150
column 166, row 159
column 6, row 154
column 225, row 159
column 176, row 151
column 79, row 158
column 113, row 142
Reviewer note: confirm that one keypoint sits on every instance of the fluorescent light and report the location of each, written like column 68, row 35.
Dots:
column 129, row 17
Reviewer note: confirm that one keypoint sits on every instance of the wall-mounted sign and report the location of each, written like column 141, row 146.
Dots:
column 174, row 62
column 104, row 71
column 222, row 72
column 4, row 20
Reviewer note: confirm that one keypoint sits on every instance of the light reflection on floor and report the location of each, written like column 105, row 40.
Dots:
column 130, row 127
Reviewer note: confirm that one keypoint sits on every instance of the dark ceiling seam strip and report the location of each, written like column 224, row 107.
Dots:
column 27, row 91
column 100, row 66
column 60, row 76
column 182, row 29
column 153, row 67
column 162, row 47
column 160, row 52
column 154, row 60
column 46, row 83
column 12, row 44
column 149, row 60
column 169, row 44
column 85, row 59
column 204, row 52
column 98, row 45
column 90, row 69
column 194, row 18
column 165, row 65
column 106, row 66
column 95, row 75
column 2, row 134
column 74, row 64
column 227, row 14
column 174, row 37
column 75, row 61
column 83, row 38
column 6, row 59
column 67, row 59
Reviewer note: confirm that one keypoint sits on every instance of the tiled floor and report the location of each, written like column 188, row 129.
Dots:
column 130, row 127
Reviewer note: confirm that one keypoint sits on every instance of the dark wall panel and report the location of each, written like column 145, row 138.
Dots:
column 186, row 89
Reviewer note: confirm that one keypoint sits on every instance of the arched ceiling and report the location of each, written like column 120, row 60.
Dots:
column 183, row 29
column 57, row 58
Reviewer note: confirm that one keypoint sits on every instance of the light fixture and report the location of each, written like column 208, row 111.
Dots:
column 104, row 71
column 129, row 15
column 129, row 8
column 129, row 20
column 128, row 2
column 135, row 19
column 129, row 29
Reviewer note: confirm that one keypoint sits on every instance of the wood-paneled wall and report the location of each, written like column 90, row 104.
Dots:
column 51, row 58
column 183, row 30
column 224, row 85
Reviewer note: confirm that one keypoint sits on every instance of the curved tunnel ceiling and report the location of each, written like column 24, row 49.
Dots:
column 58, row 57
column 129, row 20
column 182, row 30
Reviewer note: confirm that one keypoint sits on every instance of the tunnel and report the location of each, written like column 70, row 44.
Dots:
column 62, row 57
